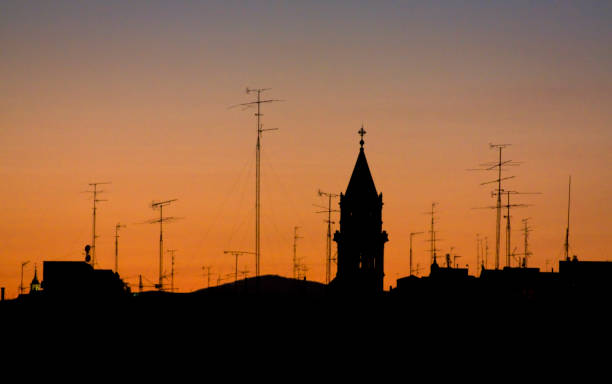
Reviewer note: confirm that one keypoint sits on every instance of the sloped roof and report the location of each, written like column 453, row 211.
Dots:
column 361, row 184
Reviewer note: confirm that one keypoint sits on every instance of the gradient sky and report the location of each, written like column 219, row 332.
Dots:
column 137, row 93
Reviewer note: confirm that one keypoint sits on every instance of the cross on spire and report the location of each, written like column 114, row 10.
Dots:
column 361, row 133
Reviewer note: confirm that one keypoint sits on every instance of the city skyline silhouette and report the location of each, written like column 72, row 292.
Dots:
column 95, row 92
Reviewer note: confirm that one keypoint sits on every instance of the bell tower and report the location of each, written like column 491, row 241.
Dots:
column 360, row 240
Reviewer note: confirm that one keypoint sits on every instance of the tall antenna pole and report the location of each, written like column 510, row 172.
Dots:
column 486, row 254
column 411, row 235
column 295, row 260
column 260, row 130
column 21, row 287
column 329, row 222
column 498, row 225
column 486, row 250
column 171, row 252
column 497, row 166
column 478, row 256
column 526, row 253
column 432, row 233
column 508, row 217
column 93, row 230
column 566, row 245
column 160, row 205
column 117, row 227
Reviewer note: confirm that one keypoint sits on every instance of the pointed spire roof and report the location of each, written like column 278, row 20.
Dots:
column 361, row 183
column 35, row 279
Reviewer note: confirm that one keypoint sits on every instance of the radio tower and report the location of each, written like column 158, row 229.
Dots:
column 160, row 205
column 260, row 130
column 329, row 211
column 93, row 230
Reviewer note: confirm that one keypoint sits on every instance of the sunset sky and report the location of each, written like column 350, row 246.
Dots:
column 137, row 93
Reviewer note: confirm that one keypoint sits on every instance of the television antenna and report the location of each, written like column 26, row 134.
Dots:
column 329, row 222
column 93, row 230
column 260, row 130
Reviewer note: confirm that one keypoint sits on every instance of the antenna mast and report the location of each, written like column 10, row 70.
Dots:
column 171, row 252
column 566, row 245
column 497, row 166
column 432, row 233
column 237, row 254
column 117, row 227
column 526, row 230
column 260, row 130
column 295, row 260
column 329, row 211
column 411, row 235
column 160, row 205
column 93, row 230
column 21, row 287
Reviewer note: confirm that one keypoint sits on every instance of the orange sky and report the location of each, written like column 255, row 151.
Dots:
column 138, row 94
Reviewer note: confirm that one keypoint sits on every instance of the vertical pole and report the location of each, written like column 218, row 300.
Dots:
column 477, row 254
column 257, row 187
column 21, row 284
column 93, row 235
column 410, row 254
column 117, row 248
column 236, row 270
column 508, row 244
column 486, row 255
column 569, row 191
column 172, row 274
column 498, row 223
column 329, row 245
column 525, row 250
column 161, row 246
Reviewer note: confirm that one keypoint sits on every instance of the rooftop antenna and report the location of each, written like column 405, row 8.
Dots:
column 432, row 234
column 160, row 205
column 93, row 230
column 478, row 253
column 329, row 222
column 207, row 269
column 497, row 166
column 566, row 245
column 486, row 253
column 526, row 253
column 507, row 217
column 236, row 254
column 172, row 252
column 260, row 130
column 117, row 227
column 295, row 259
column 411, row 235
column 21, row 287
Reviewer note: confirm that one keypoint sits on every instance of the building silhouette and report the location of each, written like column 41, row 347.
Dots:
column 360, row 240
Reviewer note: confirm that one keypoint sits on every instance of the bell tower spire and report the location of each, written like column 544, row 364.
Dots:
column 360, row 239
